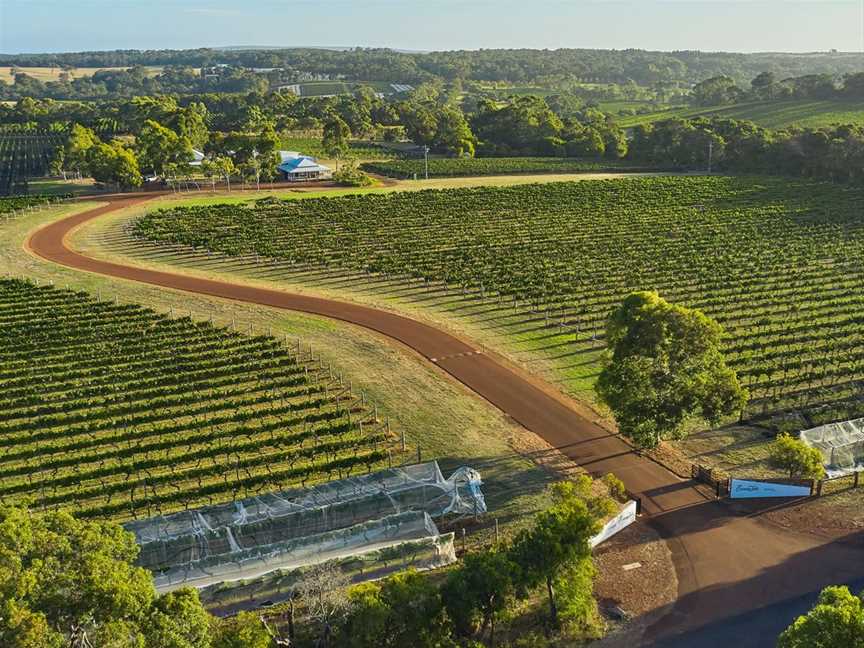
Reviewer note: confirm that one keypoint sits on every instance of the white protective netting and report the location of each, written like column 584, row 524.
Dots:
column 841, row 445
column 230, row 597
column 286, row 530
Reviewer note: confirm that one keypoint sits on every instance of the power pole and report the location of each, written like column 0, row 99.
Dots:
column 426, row 159
column 710, row 154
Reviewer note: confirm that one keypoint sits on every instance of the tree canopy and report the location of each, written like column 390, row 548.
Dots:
column 836, row 620
column 559, row 539
column 664, row 366
column 70, row 582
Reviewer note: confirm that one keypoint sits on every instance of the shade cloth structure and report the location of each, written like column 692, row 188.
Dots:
column 841, row 445
column 251, row 537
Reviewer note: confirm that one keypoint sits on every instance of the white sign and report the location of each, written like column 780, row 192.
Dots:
column 743, row 488
column 625, row 518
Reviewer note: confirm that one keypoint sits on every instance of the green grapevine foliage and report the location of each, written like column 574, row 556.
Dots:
column 777, row 262
column 116, row 411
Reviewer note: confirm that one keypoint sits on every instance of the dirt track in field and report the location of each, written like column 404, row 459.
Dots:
column 730, row 564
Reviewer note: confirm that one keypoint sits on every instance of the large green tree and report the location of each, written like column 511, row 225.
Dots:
column 64, row 580
column 559, row 540
column 483, row 587
column 77, row 147
column 403, row 610
column 114, row 164
column 715, row 91
column 452, row 132
column 335, row 138
column 159, row 146
column 836, row 620
column 664, row 366
column 191, row 123
column 246, row 630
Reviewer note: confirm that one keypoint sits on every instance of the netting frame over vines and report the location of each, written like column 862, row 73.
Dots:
column 841, row 445
column 289, row 530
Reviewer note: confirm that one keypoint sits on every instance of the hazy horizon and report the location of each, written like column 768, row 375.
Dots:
column 789, row 26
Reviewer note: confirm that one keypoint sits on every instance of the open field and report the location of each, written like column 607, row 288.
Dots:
column 615, row 107
column 435, row 412
column 762, row 256
column 58, row 186
column 46, row 74
column 770, row 114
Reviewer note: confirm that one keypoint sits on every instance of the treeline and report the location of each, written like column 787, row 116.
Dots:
column 833, row 153
column 528, row 126
column 249, row 129
column 511, row 65
column 431, row 116
column 768, row 87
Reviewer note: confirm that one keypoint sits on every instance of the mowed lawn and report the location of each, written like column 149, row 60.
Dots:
column 770, row 114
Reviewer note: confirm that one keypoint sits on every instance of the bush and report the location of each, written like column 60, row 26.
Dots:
column 616, row 487
column 350, row 175
column 246, row 630
column 797, row 457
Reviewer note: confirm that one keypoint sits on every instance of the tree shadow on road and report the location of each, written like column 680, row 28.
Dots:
column 751, row 613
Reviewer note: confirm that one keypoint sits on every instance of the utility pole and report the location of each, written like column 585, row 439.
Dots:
column 710, row 154
column 426, row 159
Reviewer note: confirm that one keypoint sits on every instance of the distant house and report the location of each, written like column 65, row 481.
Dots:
column 197, row 158
column 296, row 167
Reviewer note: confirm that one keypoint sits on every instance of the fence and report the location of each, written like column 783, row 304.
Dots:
column 708, row 476
column 835, row 484
column 721, row 483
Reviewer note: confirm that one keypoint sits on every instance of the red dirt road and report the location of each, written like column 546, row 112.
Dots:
column 728, row 561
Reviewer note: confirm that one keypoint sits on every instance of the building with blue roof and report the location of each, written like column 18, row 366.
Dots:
column 298, row 168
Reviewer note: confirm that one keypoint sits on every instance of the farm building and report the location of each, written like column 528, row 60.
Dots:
column 296, row 167
column 197, row 158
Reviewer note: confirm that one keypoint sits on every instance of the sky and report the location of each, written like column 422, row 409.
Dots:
column 711, row 25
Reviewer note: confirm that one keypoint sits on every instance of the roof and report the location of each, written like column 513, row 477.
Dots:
column 197, row 158
column 301, row 165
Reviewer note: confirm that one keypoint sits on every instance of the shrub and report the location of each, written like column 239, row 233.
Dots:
column 616, row 487
column 797, row 457
column 350, row 175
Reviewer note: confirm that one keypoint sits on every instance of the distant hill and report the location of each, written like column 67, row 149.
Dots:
column 332, row 48
column 515, row 66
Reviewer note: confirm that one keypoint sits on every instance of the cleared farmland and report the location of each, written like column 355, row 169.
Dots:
column 777, row 262
column 46, row 74
column 117, row 411
column 770, row 114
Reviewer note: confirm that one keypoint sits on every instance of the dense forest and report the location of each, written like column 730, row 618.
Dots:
column 514, row 66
